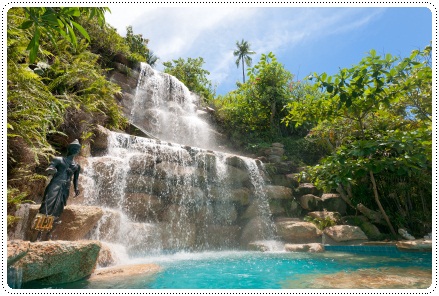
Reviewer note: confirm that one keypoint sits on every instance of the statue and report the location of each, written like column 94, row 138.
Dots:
column 58, row 189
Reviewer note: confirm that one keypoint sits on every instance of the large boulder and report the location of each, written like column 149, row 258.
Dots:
column 333, row 202
column 218, row 237
column 141, row 163
column 100, row 140
column 139, row 183
column 307, row 188
column 57, row 262
column 108, row 227
column 76, row 222
column 310, row 202
column 142, row 207
column 343, row 233
column 132, row 276
column 236, row 162
column 240, row 196
column 256, row 229
column 16, row 250
column 298, row 232
column 278, row 192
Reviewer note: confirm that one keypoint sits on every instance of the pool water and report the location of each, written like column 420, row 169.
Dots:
column 256, row 270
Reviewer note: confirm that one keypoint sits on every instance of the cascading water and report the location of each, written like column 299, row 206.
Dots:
column 165, row 108
column 160, row 196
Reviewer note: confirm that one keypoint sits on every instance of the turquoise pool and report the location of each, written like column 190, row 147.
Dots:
column 256, row 270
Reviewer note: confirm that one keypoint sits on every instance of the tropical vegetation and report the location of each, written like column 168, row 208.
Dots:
column 365, row 132
column 57, row 88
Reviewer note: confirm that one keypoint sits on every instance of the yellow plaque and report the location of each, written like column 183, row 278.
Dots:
column 43, row 222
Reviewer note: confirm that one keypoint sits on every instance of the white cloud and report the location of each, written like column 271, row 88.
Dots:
column 211, row 32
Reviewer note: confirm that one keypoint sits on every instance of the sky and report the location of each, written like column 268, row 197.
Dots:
column 305, row 40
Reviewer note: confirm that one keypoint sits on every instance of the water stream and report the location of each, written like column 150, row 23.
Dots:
column 176, row 193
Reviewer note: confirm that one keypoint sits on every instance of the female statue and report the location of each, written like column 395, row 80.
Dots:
column 57, row 191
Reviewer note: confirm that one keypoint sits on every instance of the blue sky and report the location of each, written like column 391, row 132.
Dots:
column 304, row 39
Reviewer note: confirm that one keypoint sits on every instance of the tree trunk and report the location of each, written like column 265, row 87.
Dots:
column 243, row 76
column 377, row 199
column 343, row 195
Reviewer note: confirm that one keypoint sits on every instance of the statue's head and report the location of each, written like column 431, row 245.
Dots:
column 74, row 147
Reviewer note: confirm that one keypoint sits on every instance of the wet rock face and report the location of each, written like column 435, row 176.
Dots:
column 76, row 222
column 298, row 232
column 343, row 233
column 57, row 262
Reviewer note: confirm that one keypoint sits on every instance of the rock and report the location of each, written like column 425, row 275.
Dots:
column 123, row 275
column 293, row 180
column 226, row 213
column 57, row 262
column 252, row 211
column 16, row 250
column 276, row 209
column 176, row 173
column 310, row 202
column 218, row 237
column 274, row 158
column 307, row 188
column 146, row 184
column 141, row 163
column 108, row 227
column 334, row 203
column 142, row 207
column 274, row 151
column 206, row 161
column 76, row 222
column 236, row 162
column 140, row 238
column 312, row 248
column 266, row 246
column 278, row 192
column 105, row 256
column 374, row 216
column 298, row 232
column 415, row 245
column 342, row 233
column 295, row 208
column 404, row 233
column 371, row 231
column 255, row 230
column 334, row 216
column 278, row 145
column 100, row 140
column 175, row 237
column 282, row 180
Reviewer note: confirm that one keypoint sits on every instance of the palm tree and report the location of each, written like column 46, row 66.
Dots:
column 243, row 53
column 151, row 58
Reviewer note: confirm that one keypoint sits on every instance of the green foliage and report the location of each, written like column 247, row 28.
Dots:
column 14, row 199
column 55, row 22
column 137, row 44
column 105, row 41
column 256, row 106
column 63, row 96
column 191, row 73
column 321, row 223
column 243, row 55
column 376, row 118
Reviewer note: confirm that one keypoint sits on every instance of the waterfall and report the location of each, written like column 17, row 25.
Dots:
column 165, row 108
column 176, row 193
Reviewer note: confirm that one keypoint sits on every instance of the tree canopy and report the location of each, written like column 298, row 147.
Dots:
column 192, row 74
